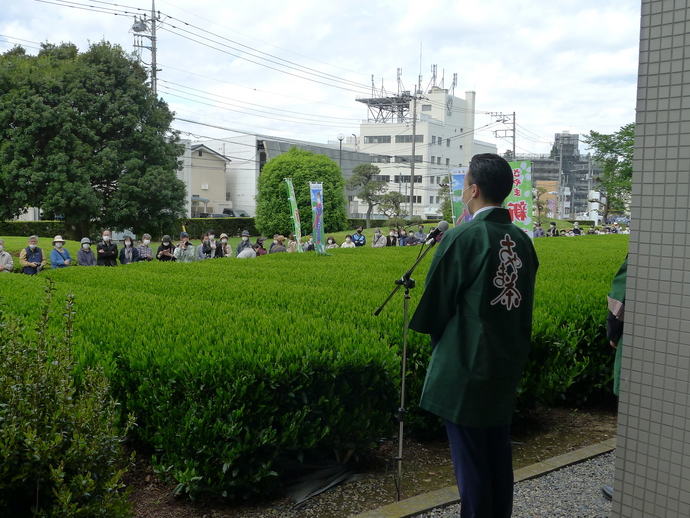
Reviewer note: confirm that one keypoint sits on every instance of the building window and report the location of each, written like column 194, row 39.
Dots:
column 447, row 161
column 440, row 141
column 417, row 199
column 406, row 159
column 460, row 146
column 406, row 179
column 377, row 139
column 350, row 198
column 433, row 140
column 432, row 180
column 404, row 139
column 200, row 152
column 432, row 159
column 382, row 178
column 447, row 142
column 431, row 200
column 438, row 160
column 426, row 107
column 380, row 159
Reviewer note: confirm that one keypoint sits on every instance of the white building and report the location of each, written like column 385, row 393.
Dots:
column 444, row 139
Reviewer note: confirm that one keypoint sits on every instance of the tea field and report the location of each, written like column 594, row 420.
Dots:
column 232, row 365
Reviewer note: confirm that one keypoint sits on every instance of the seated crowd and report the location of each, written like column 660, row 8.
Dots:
column 33, row 259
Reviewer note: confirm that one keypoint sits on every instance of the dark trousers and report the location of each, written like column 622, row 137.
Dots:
column 483, row 464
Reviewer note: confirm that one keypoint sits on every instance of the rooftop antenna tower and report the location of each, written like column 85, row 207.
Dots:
column 144, row 30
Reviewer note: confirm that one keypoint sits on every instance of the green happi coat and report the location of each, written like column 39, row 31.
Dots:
column 477, row 304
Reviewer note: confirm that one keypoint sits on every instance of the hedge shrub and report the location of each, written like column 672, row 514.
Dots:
column 60, row 451
column 230, row 365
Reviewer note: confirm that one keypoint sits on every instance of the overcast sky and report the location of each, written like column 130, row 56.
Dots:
column 566, row 65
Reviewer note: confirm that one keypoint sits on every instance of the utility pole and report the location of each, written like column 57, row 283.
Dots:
column 501, row 117
column 140, row 26
column 514, row 135
column 414, row 142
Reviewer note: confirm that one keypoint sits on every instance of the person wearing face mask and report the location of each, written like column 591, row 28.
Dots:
column 330, row 243
column 359, row 239
column 225, row 248
column 106, row 251
column 348, row 242
column 292, row 244
column 477, row 308
column 200, row 255
column 85, row 255
column 184, row 251
column 420, row 235
column 144, row 250
column 275, row 242
column 166, row 250
column 6, row 261
column 391, row 239
column 59, row 255
column 402, row 238
column 308, row 245
column 32, row 259
column 129, row 253
column 261, row 250
column 280, row 247
column 211, row 248
column 244, row 244
column 379, row 240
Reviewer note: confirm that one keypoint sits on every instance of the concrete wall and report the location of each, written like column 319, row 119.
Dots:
column 653, row 453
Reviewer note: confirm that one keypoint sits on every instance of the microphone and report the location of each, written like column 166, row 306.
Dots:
column 442, row 227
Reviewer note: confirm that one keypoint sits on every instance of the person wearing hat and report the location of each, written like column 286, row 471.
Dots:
column 59, row 256
column 292, row 245
column 224, row 246
column 6, row 261
column 129, row 253
column 261, row 250
column 106, row 251
column 184, row 251
column 32, row 259
column 275, row 242
column 166, row 250
column 379, row 240
column 279, row 247
column 85, row 255
column 245, row 243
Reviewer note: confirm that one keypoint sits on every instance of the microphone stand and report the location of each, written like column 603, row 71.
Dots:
column 408, row 283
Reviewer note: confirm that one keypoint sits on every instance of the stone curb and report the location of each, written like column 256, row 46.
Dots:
column 449, row 495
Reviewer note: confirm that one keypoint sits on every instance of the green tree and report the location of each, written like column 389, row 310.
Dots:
column 370, row 189
column 615, row 153
column 83, row 137
column 272, row 207
column 392, row 205
column 445, row 195
column 538, row 202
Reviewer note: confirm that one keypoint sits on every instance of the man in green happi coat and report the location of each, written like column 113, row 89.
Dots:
column 477, row 307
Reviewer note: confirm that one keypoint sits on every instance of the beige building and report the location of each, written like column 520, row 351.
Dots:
column 208, row 181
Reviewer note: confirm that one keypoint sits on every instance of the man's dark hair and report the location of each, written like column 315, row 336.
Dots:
column 492, row 174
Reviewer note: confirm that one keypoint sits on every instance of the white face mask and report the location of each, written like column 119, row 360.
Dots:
column 146, row 242
column 212, row 238
column 275, row 241
column 330, row 241
column 32, row 246
column 223, row 240
column 347, row 239
column 106, row 239
column 166, row 243
column 58, row 245
column 245, row 238
column 128, row 243
column 390, row 233
column 85, row 246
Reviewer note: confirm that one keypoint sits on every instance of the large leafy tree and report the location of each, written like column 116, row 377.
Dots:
column 370, row 189
column 273, row 214
column 445, row 195
column 392, row 205
column 615, row 152
column 83, row 137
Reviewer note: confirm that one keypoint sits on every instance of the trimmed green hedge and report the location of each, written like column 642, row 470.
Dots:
column 32, row 228
column 231, row 365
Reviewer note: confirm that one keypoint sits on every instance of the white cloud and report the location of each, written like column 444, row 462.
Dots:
column 558, row 65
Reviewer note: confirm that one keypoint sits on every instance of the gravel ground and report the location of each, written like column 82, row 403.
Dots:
column 572, row 492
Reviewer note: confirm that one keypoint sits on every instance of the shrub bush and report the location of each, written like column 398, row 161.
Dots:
column 32, row 228
column 230, row 365
column 61, row 454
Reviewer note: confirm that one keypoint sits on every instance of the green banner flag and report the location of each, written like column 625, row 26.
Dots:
column 295, row 213
column 316, row 193
column 519, row 201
